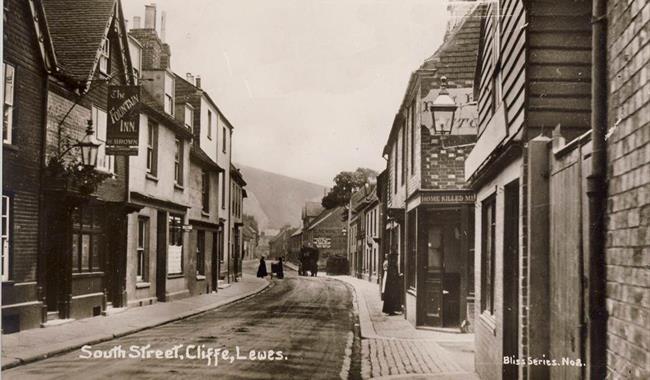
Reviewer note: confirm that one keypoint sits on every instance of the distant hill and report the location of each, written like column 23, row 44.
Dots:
column 275, row 199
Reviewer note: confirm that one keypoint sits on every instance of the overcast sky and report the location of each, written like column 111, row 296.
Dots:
column 311, row 86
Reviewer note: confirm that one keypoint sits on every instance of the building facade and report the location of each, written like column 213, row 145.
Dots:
column 527, row 83
column 429, row 205
column 238, row 193
column 84, row 270
column 25, row 73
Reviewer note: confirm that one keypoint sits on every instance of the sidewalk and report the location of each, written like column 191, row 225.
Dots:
column 393, row 348
column 35, row 344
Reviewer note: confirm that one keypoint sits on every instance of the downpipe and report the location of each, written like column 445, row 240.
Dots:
column 597, row 194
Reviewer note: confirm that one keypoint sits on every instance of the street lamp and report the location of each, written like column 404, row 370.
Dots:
column 443, row 110
column 89, row 148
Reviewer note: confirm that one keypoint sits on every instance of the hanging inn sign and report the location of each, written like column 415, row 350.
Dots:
column 441, row 198
column 123, row 125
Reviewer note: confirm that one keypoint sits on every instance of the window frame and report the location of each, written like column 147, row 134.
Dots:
column 105, row 162
column 152, row 148
column 224, row 137
column 168, row 97
column 188, row 120
column 105, row 57
column 96, row 240
column 488, row 253
column 223, row 191
column 142, row 249
column 209, row 129
column 200, row 253
column 205, row 191
column 8, row 103
column 175, row 233
column 6, row 236
column 178, row 162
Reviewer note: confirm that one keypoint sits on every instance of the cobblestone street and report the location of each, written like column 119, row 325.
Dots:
column 392, row 347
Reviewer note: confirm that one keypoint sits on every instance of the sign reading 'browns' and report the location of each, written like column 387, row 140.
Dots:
column 123, row 127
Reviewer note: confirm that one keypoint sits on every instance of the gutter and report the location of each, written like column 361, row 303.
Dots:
column 597, row 194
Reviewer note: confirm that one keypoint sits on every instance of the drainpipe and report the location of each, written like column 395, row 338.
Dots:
column 597, row 193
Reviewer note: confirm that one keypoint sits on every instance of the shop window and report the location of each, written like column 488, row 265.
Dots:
column 143, row 249
column 8, row 103
column 6, row 237
column 175, row 248
column 152, row 148
column 104, row 162
column 200, row 253
column 87, row 241
column 488, row 235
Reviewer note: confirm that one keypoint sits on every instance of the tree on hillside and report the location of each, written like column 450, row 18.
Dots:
column 345, row 183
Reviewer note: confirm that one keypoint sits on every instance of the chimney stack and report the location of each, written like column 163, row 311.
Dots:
column 136, row 22
column 198, row 81
column 163, row 21
column 150, row 16
column 189, row 77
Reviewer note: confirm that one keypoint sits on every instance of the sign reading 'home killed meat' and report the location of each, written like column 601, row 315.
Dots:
column 123, row 126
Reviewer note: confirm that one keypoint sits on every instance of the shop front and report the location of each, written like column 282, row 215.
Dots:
column 439, row 268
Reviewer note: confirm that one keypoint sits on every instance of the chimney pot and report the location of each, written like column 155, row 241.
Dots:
column 198, row 81
column 189, row 77
column 150, row 16
column 136, row 22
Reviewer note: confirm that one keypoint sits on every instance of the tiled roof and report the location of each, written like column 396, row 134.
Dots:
column 77, row 29
column 456, row 57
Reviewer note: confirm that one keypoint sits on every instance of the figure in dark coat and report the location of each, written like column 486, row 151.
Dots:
column 280, row 269
column 261, row 271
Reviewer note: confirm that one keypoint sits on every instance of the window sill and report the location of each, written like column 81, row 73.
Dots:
column 206, row 214
column 86, row 274
column 142, row 285
column 178, row 187
column 174, row 275
column 151, row 177
column 10, row 146
column 200, row 277
column 490, row 321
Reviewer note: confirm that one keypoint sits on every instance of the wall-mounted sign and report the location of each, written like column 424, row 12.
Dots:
column 123, row 124
column 323, row 242
column 447, row 198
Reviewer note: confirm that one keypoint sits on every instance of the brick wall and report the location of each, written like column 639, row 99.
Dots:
column 628, row 206
column 443, row 160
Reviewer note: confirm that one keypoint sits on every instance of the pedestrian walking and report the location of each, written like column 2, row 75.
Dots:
column 261, row 270
column 280, row 269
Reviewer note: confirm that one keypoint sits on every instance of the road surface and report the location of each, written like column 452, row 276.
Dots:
column 308, row 319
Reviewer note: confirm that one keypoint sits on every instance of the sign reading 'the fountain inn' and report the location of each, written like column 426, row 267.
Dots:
column 123, row 126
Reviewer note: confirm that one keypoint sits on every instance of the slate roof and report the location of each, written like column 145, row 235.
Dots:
column 77, row 29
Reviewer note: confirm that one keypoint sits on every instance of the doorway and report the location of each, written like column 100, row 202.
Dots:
column 215, row 260
column 451, row 300
column 431, row 264
column 161, row 256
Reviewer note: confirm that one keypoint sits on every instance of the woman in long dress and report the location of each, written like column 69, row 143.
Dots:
column 261, row 270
